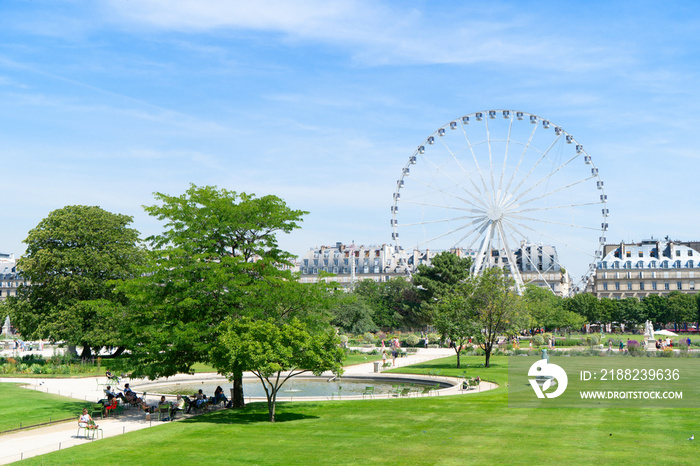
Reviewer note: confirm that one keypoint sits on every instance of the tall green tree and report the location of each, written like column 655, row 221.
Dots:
column 444, row 272
column 72, row 256
column 275, row 352
column 498, row 310
column 454, row 315
column 395, row 303
column 217, row 259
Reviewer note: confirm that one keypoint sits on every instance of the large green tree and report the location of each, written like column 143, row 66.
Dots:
column 72, row 256
column 395, row 303
column 217, row 259
column 275, row 352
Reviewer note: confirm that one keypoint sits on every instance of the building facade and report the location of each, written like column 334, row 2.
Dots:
column 355, row 263
column 9, row 278
column 538, row 264
column 650, row 267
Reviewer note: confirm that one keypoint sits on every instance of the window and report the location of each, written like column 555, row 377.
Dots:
column 690, row 264
column 652, row 264
column 605, row 287
column 677, row 264
column 628, row 264
column 641, row 285
column 641, row 274
column 691, row 285
column 306, row 262
column 629, row 285
column 653, row 286
column 641, row 254
column 679, row 285
column 690, row 252
column 629, row 274
column 664, row 264
column 678, row 253
column 628, row 254
column 617, row 286
column 667, row 286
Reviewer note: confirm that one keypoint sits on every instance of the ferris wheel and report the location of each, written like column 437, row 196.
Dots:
column 510, row 189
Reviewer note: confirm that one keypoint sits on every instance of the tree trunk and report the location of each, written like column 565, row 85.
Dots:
column 72, row 351
column 271, row 406
column 86, row 353
column 458, row 366
column 487, row 350
column 237, row 400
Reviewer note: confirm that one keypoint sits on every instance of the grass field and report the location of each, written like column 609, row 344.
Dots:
column 472, row 429
column 29, row 407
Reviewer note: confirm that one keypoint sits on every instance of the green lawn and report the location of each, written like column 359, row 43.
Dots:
column 29, row 407
column 359, row 358
column 473, row 429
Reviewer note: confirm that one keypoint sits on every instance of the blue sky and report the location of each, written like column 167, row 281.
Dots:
column 321, row 103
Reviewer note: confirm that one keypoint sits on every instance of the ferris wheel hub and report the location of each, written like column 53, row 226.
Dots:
column 494, row 213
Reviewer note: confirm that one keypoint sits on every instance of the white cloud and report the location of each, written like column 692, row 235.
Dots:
column 378, row 33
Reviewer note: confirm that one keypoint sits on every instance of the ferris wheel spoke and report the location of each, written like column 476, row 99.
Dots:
column 511, row 259
column 466, row 225
column 550, row 222
column 488, row 140
column 476, row 162
column 549, row 175
column 534, row 167
column 463, row 188
column 552, row 238
column 542, row 196
column 452, row 195
column 459, row 164
column 522, row 157
column 554, row 207
column 439, row 206
column 428, row 222
column 470, row 233
column 505, row 158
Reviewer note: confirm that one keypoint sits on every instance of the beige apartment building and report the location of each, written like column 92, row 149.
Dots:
column 650, row 267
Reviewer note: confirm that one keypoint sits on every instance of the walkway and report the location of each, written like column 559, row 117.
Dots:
column 39, row 441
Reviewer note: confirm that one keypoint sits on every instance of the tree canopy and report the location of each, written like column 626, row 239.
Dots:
column 72, row 256
column 275, row 352
column 217, row 258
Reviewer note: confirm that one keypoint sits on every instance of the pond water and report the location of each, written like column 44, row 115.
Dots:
column 292, row 388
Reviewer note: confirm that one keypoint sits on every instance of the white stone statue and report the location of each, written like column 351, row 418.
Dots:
column 649, row 330
column 6, row 327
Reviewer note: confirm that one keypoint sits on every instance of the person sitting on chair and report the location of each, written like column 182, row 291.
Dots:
column 111, row 376
column 178, row 406
column 109, row 393
column 219, row 396
column 85, row 420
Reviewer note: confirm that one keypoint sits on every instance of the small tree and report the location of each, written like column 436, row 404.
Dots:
column 497, row 310
column 453, row 315
column 275, row 352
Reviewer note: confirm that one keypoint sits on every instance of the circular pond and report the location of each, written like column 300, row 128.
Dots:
column 296, row 387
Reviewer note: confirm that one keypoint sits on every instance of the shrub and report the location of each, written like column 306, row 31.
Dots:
column 412, row 340
column 368, row 337
column 538, row 340
column 344, row 339
column 634, row 346
column 547, row 338
column 592, row 340
column 36, row 369
column 433, row 338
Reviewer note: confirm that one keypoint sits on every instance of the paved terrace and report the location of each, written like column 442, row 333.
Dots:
column 38, row 441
